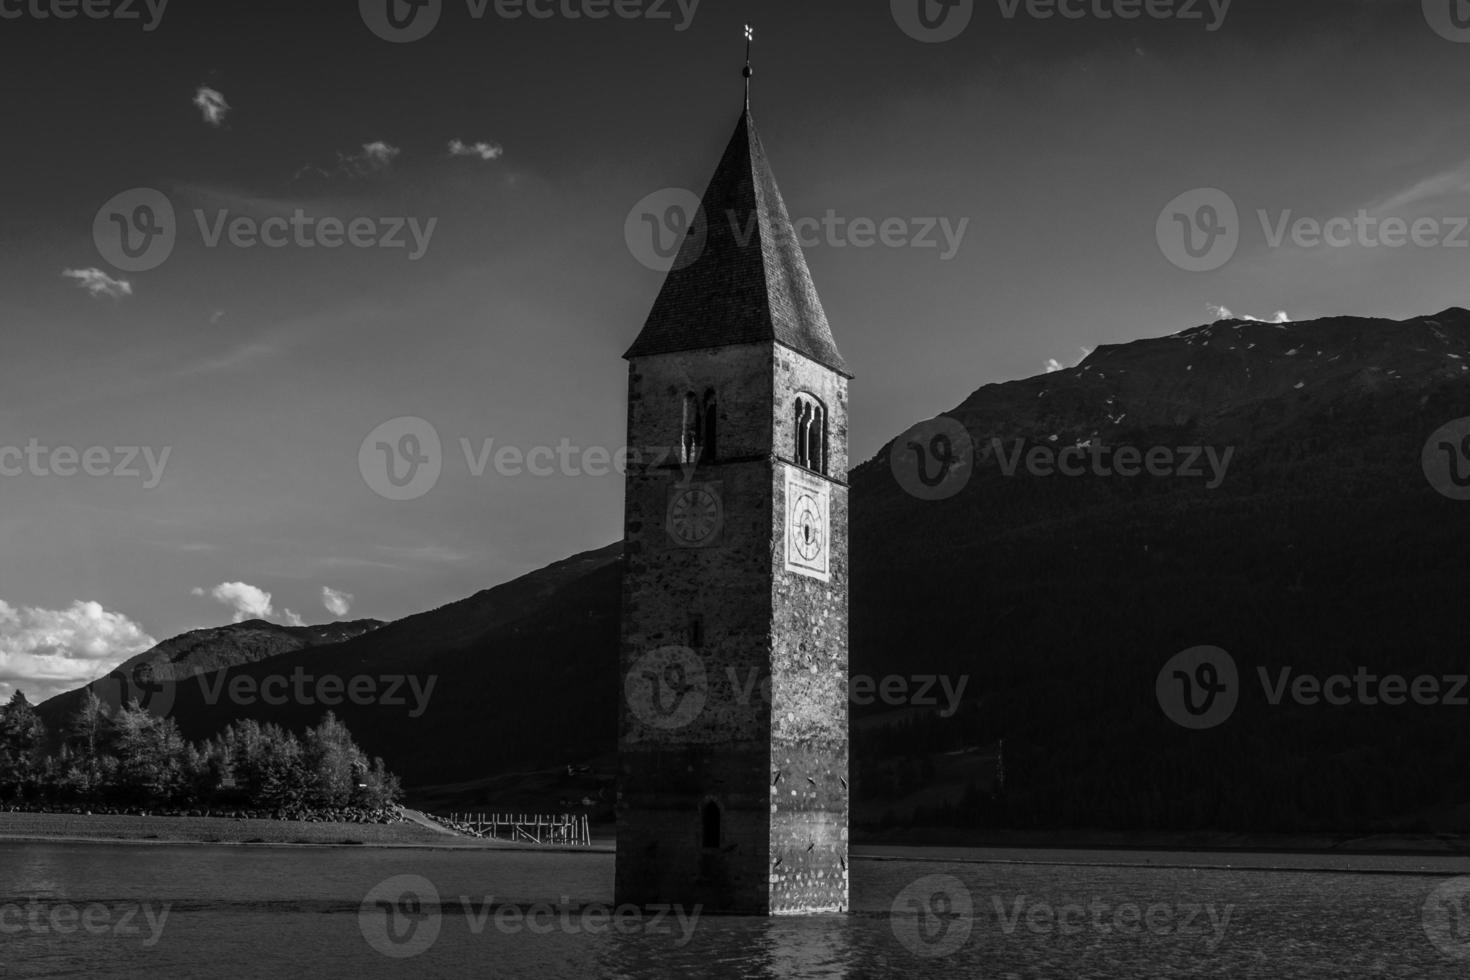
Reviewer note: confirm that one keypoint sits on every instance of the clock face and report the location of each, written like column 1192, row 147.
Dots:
column 695, row 515
column 808, row 536
column 808, row 527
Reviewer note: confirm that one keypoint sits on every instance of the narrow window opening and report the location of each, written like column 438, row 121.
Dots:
column 693, row 430
column 711, row 425
column 710, row 819
column 803, row 433
column 814, row 438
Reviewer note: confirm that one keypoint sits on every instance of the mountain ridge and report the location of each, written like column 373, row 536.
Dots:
column 1059, row 599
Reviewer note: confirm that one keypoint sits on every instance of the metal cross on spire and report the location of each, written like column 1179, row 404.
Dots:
column 749, row 41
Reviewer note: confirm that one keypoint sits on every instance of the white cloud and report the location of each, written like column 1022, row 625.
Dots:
column 375, row 157
column 45, row 652
column 1454, row 182
column 338, row 603
column 1223, row 313
column 425, row 553
column 212, row 104
column 239, row 356
column 99, row 283
column 247, row 601
column 484, row 151
column 378, row 153
column 250, row 602
column 1053, row 365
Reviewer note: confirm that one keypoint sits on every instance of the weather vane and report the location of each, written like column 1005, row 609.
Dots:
column 749, row 40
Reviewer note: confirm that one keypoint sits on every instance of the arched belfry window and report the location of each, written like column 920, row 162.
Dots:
column 700, row 423
column 693, row 430
column 811, row 437
column 709, row 821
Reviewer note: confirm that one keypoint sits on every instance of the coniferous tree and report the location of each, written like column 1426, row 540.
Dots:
column 22, row 747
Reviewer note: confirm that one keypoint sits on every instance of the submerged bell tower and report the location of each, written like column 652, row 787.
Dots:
column 733, row 736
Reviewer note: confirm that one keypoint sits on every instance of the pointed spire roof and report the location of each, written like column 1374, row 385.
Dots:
column 743, row 279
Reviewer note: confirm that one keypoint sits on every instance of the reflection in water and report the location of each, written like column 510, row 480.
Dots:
column 819, row 946
column 783, row 948
column 272, row 913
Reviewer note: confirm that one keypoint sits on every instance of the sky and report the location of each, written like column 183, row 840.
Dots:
column 200, row 397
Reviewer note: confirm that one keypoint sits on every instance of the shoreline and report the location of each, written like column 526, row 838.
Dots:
column 410, row 833
column 1429, row 857
column 1368, row 844
column 467, row 845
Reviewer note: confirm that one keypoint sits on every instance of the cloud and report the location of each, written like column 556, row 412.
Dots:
column 239, row 356
column 338, row 603
column 1454, row 182
column 484, row 151
column 247, row 601
column 99, row 283
column 1053, row 365
column 377, row 155
column 425, row 552
column 212, row 104
column 374, row 158
column 1223, row 313
column 250, row 602
column 45, row 652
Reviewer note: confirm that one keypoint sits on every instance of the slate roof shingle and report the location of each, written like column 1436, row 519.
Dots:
column 744, row 280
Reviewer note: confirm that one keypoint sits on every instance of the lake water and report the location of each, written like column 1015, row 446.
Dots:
column 102, row 910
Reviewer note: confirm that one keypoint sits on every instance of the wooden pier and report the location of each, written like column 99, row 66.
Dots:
column 569, row 829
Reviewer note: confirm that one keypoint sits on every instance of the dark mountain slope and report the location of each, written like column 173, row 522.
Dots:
column 202, row 652
column 1058, row 599
column 1061, row 598
column 523, row 673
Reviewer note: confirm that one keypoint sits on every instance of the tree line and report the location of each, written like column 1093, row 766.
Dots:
column 127, row 757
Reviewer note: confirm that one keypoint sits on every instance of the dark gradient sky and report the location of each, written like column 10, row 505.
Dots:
column 262, row 370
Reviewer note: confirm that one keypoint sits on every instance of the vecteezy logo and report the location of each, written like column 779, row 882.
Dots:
column 934, row 459
column 136, row 230
column 1449, row 18
column 933, row 916
column 1447, row 460
column 1199, row 688
column 401, row 459
column 1199, row 230
column 933, row 21
column 1446, row 920
column 139, row 685
column 401, row 21
column 401, row 917
column 667, row 230
column 667, row 688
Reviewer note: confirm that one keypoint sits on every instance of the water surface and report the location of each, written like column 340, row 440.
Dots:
column 256, row 912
